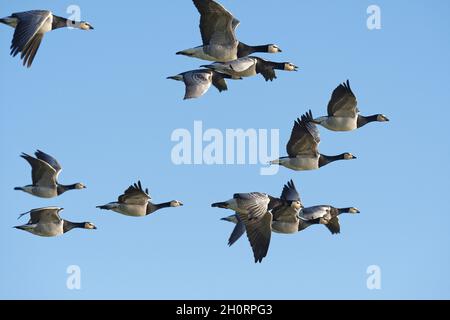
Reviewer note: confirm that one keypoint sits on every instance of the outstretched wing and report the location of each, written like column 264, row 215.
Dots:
column 50, row 160
column 333, row 225
column 135, row 194
column 289, row 192
column 305, row 137
column 266, row 69
column 218, row 80
column 256, row 204
column 28, row 34
column 197, row 83
column 217, row 25
column 44, row 215
column 343, row 102
column 259, row 232
column 238, row 231
column 42, row 174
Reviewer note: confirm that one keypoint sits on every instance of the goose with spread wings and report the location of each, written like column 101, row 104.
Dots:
column 218, row 30
column 286, row 219
column 44, row 173
column 302, row 148
column 326, row 215
column 198, row 82
column 251, row 66
column 343, row 113
column 258, row 214
column 135, row 202
column 46, row 222
column 30, row 28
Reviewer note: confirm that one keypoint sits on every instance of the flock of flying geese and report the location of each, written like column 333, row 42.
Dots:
column 231, row 57
column 256, row 214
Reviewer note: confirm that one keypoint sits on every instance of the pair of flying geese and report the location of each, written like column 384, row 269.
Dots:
column 46, row 222
column 231, row 57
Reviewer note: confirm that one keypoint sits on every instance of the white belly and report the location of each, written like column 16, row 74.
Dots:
column 42, row 192
column 285, row 227
column 300, row 163
column 340, row 123
column 48, row 229
column 131, row 210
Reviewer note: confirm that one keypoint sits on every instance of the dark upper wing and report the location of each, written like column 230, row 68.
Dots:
column 266, row 69
column 135, row 194
column 305, row 137
column 259, row 232
column 27, row 36
column 42, row 173
column 333, row 226
column 289, row 192
column 238, row 231
column 218, row 80
column 255, row 203
column 50, row 160
column 217, row 25
column 343, row 102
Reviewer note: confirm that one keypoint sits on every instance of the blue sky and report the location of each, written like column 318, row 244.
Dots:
column 99, row 102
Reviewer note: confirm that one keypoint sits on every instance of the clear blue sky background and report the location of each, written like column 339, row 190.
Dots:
column 99, row 102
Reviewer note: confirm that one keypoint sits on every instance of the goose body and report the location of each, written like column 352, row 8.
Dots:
column 302, row 148
column 343, row 113
column 326, row 215
column 46, row 222
column 251, row 66
column 198, row 82
column 44, row 172
column 135, row 202
column 30, row 28
column 258, row 214
column 217, row 27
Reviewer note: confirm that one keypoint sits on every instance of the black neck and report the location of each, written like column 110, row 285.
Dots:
column 245, row 50
column 60, row 22
column 278, row 65
column 343, row 210
column 151, row 207
column 324, row 160
column 63, row 188
column 68, row 225
column 362, row 121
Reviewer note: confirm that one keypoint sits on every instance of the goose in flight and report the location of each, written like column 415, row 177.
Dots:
column 30, row 27
column 46, row 222
column 343, row 114
column 285, row 219
column 217, row 27
column 251, row 66
column 326, row 215
column 256, row 211
column 44, row 173
column 135, row 202
column 197, row 82
column 302, row 148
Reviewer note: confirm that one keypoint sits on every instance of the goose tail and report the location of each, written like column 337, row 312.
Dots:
column 108, row 206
